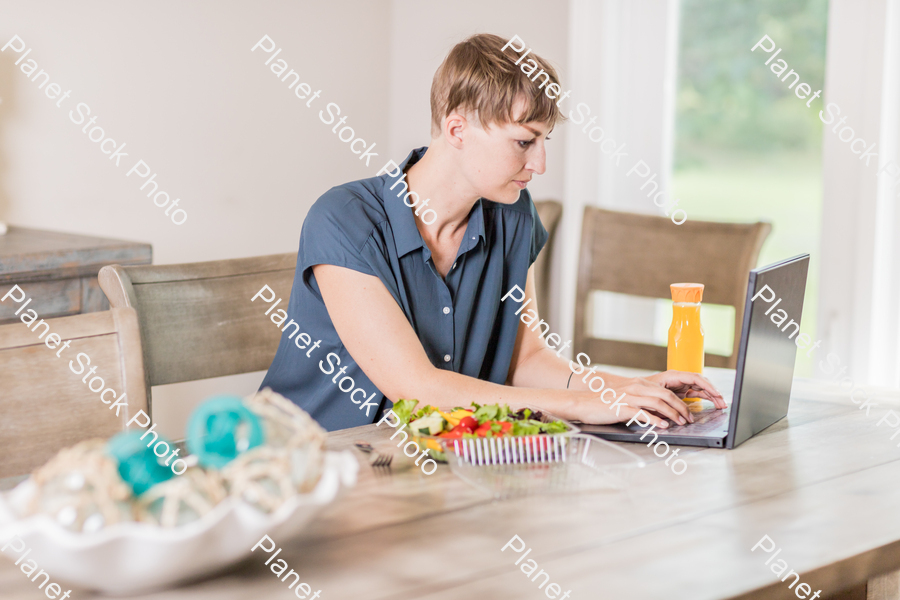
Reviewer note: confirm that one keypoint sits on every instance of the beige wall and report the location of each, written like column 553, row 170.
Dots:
column 178, row 84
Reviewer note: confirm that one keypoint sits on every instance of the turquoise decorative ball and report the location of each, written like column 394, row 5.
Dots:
column 221, row 429
column 138, row 465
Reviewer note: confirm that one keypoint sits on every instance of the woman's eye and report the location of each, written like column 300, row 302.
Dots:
column 525, row 143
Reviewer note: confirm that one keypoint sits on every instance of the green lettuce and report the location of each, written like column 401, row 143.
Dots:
column 404, row 409
column 490, row 412
column 554, row 427
column 424, row 411
column 526, row 427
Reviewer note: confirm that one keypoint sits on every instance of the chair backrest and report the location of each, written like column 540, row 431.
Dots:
column 197, row 319
column 550, row 212
column 46, row 404
column 641, row 255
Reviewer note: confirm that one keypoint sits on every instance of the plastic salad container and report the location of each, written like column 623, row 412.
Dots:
column 438, row 446
column 505, row 467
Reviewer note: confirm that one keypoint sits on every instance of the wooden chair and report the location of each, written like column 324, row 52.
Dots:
column 45, row 406
column 641, row 255
column 550, row 212
column 197, row 320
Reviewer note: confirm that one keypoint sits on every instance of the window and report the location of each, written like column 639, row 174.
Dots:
column 747, row 148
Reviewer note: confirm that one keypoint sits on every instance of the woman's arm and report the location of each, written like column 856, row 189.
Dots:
column 535, row 365
column 382, row 342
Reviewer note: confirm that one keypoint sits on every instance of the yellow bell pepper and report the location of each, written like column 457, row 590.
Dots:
column 451, row 419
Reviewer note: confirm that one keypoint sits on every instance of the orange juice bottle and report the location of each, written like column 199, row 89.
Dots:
column 685, row 351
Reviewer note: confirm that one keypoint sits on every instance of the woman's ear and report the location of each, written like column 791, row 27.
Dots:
column 455, row 127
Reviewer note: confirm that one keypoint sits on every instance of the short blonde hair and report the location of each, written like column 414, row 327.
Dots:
column 478, row 75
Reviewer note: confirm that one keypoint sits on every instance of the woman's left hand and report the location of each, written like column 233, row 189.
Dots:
column 682, row 383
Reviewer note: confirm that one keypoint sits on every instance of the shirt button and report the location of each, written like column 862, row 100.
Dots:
column 454, row 266
column 446, row 358
column 446, row 310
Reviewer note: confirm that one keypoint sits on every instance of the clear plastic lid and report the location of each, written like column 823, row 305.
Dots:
column 507, row 467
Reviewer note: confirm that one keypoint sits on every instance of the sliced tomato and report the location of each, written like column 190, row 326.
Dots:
column 468, row 423
column 484, row 428
column 505, row 427
column 453, row 434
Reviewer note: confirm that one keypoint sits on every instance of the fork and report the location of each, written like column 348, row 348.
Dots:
column 376, row 459
column 381, row 460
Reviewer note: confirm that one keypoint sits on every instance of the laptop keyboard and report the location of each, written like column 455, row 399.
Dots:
column 709, row 420
column 704, row 422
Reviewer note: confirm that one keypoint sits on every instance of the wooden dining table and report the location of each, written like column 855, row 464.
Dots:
column 823, row 484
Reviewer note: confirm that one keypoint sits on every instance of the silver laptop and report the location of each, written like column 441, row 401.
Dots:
column 765, row 367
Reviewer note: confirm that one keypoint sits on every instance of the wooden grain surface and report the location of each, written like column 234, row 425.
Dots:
column 550, row 213
column 59, row 270
column 822, row 483
column 197, row 319
column 44, row 405
column 33, row 254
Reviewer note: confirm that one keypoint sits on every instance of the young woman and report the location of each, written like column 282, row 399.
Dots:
column 404, row 297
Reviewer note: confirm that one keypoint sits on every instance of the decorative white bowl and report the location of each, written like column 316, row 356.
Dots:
column 130, row 558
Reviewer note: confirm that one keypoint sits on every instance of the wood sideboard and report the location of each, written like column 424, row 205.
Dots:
column 59, row 270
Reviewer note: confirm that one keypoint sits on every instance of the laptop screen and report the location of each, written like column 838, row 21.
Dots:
column 768, row 349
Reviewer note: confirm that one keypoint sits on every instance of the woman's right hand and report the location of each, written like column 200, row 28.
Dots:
column 633, row 395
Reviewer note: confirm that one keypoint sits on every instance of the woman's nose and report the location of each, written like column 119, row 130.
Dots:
column 538, row 161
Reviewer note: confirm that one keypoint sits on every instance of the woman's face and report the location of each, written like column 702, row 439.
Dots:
column 500, row 160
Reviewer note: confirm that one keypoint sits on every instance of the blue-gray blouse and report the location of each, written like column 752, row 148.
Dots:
column 463, row 326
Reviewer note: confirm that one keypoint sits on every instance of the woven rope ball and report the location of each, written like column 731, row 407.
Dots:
column 80, row 487
column 182, row 499
column 289, row 462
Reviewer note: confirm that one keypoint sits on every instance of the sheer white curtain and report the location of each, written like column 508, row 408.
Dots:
column 859, row 296
column 622, row 67
column 884, row 367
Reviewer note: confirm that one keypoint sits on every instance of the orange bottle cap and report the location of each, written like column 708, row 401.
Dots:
column 687, row 292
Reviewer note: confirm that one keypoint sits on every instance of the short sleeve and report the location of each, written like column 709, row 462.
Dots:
column 335, row 231
column 539, row 235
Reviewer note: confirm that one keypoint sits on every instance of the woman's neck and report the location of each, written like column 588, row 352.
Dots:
column 435, row 178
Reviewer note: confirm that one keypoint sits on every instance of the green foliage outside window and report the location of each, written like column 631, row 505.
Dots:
column 728, row 99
